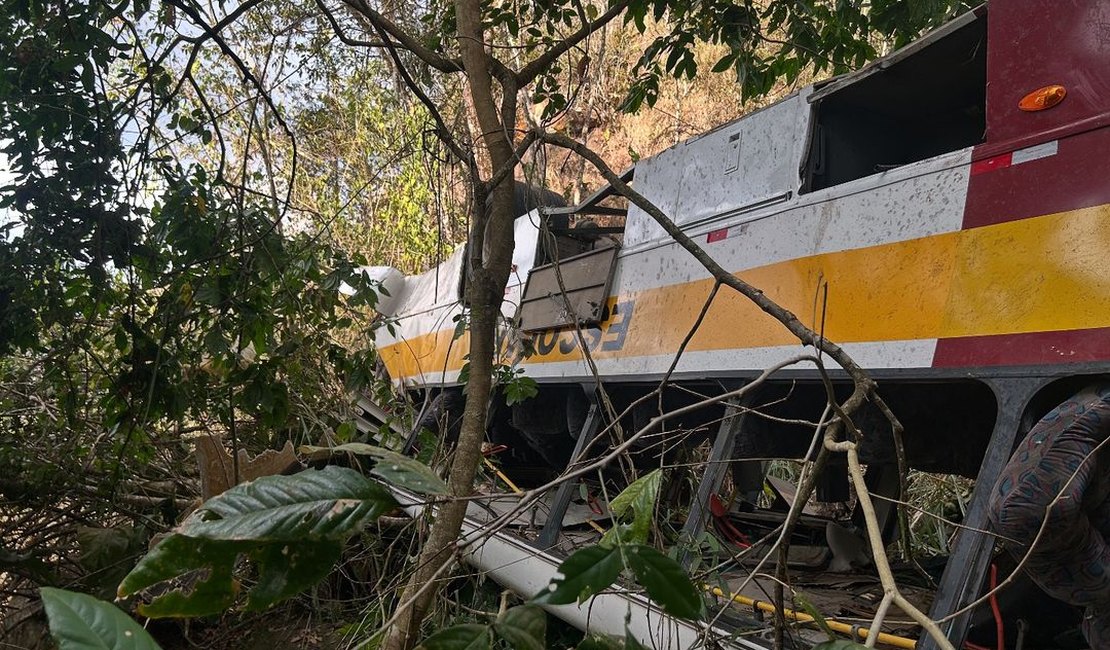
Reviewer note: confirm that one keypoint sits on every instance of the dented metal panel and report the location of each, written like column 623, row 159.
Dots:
column 572, row 291
column 436, row 287
column 735, row 167
column 526, row 234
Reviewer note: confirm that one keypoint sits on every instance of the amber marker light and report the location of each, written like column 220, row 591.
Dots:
column 1043, row 98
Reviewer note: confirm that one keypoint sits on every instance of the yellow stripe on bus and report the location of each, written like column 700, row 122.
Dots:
column 1032, row 275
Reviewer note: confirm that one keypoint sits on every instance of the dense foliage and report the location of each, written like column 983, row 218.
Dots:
column 767, row 42
column 144, row 296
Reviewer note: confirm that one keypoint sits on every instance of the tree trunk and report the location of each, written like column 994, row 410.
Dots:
column 488, row 261
column 445, row 528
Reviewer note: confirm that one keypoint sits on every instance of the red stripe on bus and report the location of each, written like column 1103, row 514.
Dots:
column 1029, row 349
column 1077, row 176
column 991, row 164
column 716, row 235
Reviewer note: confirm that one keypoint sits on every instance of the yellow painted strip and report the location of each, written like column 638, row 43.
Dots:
column 890, row 292
column 1033, row 275
column 802, row 617
column 427, row 354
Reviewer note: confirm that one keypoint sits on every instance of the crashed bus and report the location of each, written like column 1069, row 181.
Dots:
column 943, row 214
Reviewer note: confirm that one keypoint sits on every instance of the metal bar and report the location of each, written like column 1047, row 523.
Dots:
column 967, row 566
column 714, row 472
column 747, row 207
column 590, row 428
column 374, row 410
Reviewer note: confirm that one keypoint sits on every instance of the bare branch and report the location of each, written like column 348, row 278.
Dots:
column 407, row 41
column 786, row 317
column 531, row 496
column 338, row 29
column 442, row 131
column 542, row 62
column 195, row 16
column 507, row 170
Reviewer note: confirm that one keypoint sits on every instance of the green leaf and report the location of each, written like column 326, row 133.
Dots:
column 523, row 627
column 639, row 497
column 107, row 554
column 331, row 503
column 725, row 62
column 286, row 570
column 640, row 494
column 81, row 622
column 291, row 526
column 392, row 467
column 461, row 321
column 665, row 581
column 584, row 573
column 470, row 636
column 618, row 534
column 519, row 389
column 346, row 431
column 818, row 617
column 208, row 588
column 205, row 569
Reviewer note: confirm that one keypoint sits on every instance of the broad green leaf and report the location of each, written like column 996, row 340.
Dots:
column 523, row 627
column 519, row 389
column 639, row 497
column 205, row 571
column 81, row 622
column 287, row 569
column 209, row 587
column 103, row 547
column 619, row 533
column 392, row 467
column 584, row 573
column 470, row 636
column 107, row 554
column 665, row 581
column 346, row 431
column 331, row 503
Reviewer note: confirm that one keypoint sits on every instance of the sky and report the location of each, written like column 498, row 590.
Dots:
column 6, row 176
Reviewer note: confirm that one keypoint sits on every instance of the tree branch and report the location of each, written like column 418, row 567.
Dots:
column 506, row 170
column 407, row 41
column 442, row 131
column 864, row 386
column 265, row 96
column 544, row 61
column 786, row 317
column 338, row 29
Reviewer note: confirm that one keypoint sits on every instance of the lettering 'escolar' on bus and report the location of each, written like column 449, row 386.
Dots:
column 608, row 338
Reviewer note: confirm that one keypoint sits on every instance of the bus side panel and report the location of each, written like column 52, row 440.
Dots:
column 1053, row 295
column 1033, row 44
column 1045, row 174
column 1047, row 178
